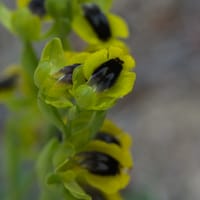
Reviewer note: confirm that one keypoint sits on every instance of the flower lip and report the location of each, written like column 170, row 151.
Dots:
column 67, row 72
column 94, row 193
column 106, row 74
column 8, row 83
column 37, row 7
column 97, row 20
column 106, row 137
column 100, row 163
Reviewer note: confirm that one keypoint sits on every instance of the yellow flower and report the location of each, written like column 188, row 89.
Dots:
column 100, row 168
column 97, row 27
column 53, row 75
column 107, row 159
column 108, row 77
column 9, row 83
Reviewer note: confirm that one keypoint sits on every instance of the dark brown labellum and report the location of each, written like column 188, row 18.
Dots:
column 8, row 83
column 67, row 73
column 106, row 137
column 98, row 21
column 100, row 163
column 106, row 74
column 37, row 7
column 94, row 193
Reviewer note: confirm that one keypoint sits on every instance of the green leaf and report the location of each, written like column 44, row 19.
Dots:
column 83, row 125
column 68, row 196
column 44, row 163
column 53, row 54
column 26, row 25
column 60, row 177
column 53, row 178
column 5, row 18
column 62, row 156
column 51, row 60
column 52, row 192
column 41, row 73
column 76, row 190
column 53, row 115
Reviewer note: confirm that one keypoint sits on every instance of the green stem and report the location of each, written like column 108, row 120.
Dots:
column 12, row 161
column 62, row 28
column 13, row 158
column 65, row 43
column 29, row 63
column 83, row 125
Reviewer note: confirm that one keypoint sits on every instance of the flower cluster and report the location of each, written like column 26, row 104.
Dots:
column 99, row 169
column 94, row 81
column 91, row 158
column 81, row 87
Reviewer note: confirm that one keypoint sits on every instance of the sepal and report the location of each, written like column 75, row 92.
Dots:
column 5, row 18
column 52, row 115
column 26, row 25
column 44, row 164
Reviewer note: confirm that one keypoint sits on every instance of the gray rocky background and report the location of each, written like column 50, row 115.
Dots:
column 163, row 112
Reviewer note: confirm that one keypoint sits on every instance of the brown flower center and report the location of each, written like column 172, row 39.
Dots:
column 106, row 137
column 106, row 74
column 37, row 7
column 98, row 21
column 100, row 163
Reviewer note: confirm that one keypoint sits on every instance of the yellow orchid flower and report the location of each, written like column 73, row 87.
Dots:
column 109, row 76
column 96, row 27
column 107, row 159
column 101, row 167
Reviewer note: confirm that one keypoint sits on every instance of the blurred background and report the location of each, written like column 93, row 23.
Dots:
column 163, row 111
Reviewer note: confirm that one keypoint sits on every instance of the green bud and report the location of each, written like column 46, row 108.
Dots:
column 44, row 163
column 26, row 25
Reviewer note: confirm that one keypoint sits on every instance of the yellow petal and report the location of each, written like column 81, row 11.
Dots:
column 111, row 42
column 76, row 57
column 84, row 30
column 123, row 156
column 115, row 196
column 112, row 129
column 114, row 52
column 119, row 27
column 107, row 184
column 94, row 61
column 123, row 85
column 129, row 62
